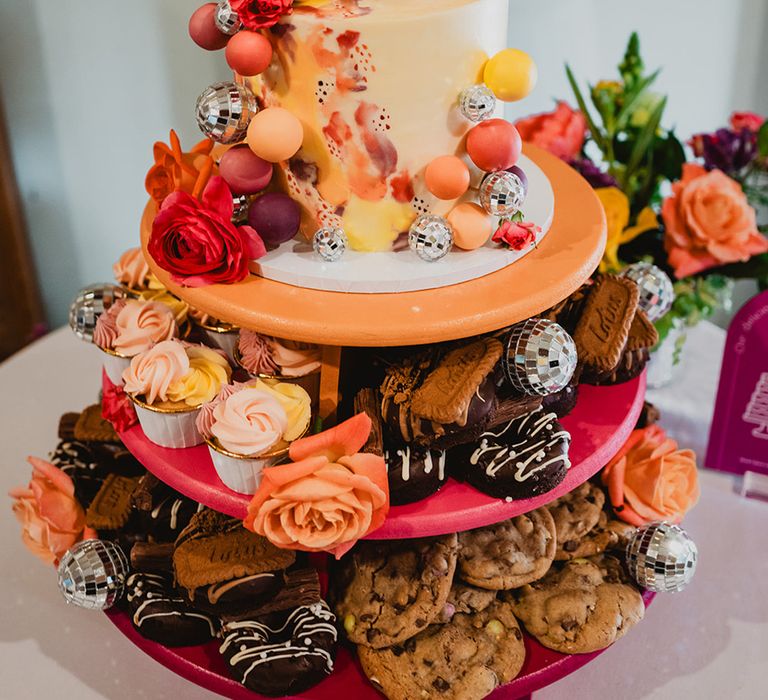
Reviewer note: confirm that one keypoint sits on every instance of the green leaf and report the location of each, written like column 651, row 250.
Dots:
column 597, row 134
column 645, row 140
column 669, row 156
column 762, row 139
column 632, row 95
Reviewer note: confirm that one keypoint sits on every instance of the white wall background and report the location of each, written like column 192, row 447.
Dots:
column 89, row 85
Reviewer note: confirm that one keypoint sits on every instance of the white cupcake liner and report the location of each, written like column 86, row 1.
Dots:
column 174, row 429
column 114, row 366
column 242, row 474
column 225, row 341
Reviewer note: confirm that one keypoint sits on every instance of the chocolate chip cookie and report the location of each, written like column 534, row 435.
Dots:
column 581, row 607
column 575, row 514
column 386, row 592
column 607, row 534
column 509, row 554
column 465, row 659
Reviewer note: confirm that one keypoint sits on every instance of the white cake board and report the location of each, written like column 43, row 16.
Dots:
column 295, row 262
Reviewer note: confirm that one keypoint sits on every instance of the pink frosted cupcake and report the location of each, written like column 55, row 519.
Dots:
column 130, row 327
column 249, row 427
column 264, row 357
column 168, row 384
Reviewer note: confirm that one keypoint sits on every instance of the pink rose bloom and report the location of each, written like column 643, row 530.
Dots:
column 517, row 235
column 153, row 372
column 52, row 519
column 141, row 324
column 561, row 132
column 746, row 120
column 105, row 332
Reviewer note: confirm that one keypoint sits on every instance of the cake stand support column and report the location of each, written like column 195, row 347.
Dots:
column 329, row 383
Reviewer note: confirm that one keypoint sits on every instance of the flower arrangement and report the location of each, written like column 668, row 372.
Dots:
column 691, row 212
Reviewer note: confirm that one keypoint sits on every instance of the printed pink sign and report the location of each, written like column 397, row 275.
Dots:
column 738, row 441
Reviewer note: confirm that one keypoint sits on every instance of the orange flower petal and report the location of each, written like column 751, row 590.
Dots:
column 347, row 438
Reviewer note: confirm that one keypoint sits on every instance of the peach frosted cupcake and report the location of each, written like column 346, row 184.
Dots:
column 265, row 357
column 168, row 384
column 249, row 427
column 217, row 333
column 132, row 273
column 128, row 328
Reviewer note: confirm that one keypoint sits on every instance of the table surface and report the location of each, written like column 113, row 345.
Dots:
column 708, row 642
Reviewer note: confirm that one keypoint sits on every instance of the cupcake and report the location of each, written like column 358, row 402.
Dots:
column 215, row 332
column 128, row 328
column 180, row 308
column 250, row 427
column 168, row 385
column 132, row 273
column 264, row 357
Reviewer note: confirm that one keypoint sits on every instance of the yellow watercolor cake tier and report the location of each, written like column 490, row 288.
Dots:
column 376, row 85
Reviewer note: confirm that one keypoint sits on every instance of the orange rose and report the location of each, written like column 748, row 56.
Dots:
column 651, row 479
column 174, row 170
column 561, row 132
column 709, row 222
column 328, row 498
column 52, row 520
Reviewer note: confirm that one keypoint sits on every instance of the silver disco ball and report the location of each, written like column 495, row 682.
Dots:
column 502, row 193
column 431, row 237
column 540, row 357
column 330, row 244
column 661, row 557
column 477, row 103
column 226, row 19
column 92, row 574
column 89, row 304
column 657, row 294
column 225, row 110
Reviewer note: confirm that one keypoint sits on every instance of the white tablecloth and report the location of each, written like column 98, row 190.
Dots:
column 709, row 642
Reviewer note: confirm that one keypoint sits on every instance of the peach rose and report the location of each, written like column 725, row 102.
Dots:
column 52, row 519
column 561, row 132
column 651, row 479
column 328, row 498
column 709, row 222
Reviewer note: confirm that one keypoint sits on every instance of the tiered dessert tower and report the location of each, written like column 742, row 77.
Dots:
column 377, row 296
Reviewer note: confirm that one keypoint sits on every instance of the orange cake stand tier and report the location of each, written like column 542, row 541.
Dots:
column 566, row 257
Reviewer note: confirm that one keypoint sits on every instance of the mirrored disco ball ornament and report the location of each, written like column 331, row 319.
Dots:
column 477, row 103
column 226, row 19
column 431, row 237
column 502, row 193
column 656, row 291
column 92, row 574
column 241, row 205
column 89, row 304
column 661, row 557
column 540, row 357
column 330, row 244
column 224, row 111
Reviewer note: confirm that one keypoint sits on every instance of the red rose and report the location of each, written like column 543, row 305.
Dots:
column 746, row 120
column 197, row 242
column 117, row 408
column 561, row 132
column 517, row 235
column 260, row 14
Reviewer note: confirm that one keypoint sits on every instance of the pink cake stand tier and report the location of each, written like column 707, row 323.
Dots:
column 205, row 667
column 600, row 424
